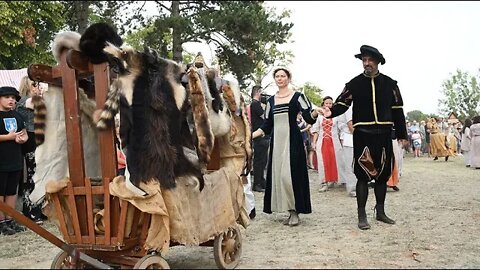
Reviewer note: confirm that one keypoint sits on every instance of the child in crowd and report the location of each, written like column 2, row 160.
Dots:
column 417, row 143
column 12, row 135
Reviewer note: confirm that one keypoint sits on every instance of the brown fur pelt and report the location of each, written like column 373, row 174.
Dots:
column 205, row 137
column 248, row 137
column 39, row 118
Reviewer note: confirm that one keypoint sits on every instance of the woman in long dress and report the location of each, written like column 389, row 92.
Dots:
column 287, row 186
column 466, row 141
column 438, row 141
column 475, row 144
column 327, row 145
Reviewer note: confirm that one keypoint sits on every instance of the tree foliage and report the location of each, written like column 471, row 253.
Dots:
column 461, row 95
column 313, row 93
column 416, row 115
column 244, row 33
column 27, row 29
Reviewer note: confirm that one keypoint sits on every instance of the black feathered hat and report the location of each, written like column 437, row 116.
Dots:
column 371, row 51
column 9, row 91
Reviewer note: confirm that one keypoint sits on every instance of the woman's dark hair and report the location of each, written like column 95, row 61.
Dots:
column 284, row 69
column 468, row 123
column 255, row 89
column 476, row 119
column 325, row 98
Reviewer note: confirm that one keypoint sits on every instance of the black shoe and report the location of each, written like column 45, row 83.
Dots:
column 5, row 229
column 362, row 219
column 446, row 158
column 14, row 225
column 380, row 216
column 252, row 214
column 258, row 189
column 436, row 158
column 395, row 188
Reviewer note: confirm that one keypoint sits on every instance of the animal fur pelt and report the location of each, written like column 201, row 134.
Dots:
column 95, row 38
column 218, row 114
column 156, row 99
column 65, row 40
column 203, row 128
column 51, row 155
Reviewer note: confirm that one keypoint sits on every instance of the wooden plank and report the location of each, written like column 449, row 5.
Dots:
column 42, row 73
column 91, row 229
column 114, row 215
column 95, row 190
column 108, row 155
column 145, row 227
column 74, row 213
column 60, row 217
column 136, row 219
column 106, row 211
column 77, row 60
column 74, row 135
column 122, row 221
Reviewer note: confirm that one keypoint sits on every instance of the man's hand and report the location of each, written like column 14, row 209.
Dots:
column 325, row 111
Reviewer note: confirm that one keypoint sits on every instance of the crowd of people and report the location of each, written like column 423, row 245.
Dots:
column 348, row 145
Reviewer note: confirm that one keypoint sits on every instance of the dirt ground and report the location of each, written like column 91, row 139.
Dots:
column 437, row 211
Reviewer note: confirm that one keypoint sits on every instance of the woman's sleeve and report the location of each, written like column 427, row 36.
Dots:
column 306, row 109
column 267, row 125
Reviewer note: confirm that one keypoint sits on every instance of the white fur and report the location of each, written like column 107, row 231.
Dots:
column 65, row 40
column 179, row 92
column 51, row 157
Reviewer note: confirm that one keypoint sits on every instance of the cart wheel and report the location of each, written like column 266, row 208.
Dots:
column 227, row 248
column 151, row 262
column 64, row 261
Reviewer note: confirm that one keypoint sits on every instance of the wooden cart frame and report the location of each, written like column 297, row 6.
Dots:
column 114, row 247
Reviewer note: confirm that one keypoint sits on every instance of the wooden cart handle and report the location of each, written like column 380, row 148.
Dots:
column 50, row 237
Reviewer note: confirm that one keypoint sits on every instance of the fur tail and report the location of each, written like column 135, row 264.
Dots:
column 39, row 118
column 110, row 108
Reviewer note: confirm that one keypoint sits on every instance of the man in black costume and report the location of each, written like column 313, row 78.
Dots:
column 260, row 144
column 377, row 107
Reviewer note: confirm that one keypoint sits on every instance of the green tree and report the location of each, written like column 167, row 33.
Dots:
column 461, row 95
column 26, row 30
column 313, row 93
column 243, row 32
column 416, row 115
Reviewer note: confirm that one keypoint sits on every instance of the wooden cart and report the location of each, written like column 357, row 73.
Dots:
column 74, row 205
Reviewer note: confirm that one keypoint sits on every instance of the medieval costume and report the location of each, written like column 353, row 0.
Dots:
column 475, row 144
column 377, row 107
column 438, row 142
column 327, row 146
column 287, row 177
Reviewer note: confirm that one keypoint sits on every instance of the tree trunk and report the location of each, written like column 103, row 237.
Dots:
column 82, row 15
column 176, row 35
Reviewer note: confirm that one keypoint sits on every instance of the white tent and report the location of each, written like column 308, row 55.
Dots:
column 12, row 77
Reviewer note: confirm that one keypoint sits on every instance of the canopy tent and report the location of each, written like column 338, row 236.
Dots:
column 12, row 77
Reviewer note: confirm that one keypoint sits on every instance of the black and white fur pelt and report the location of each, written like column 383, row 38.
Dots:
column 155, row 98
column 218, row 112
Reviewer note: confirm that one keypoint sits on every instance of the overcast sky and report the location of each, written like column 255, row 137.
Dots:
column 422, row 42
